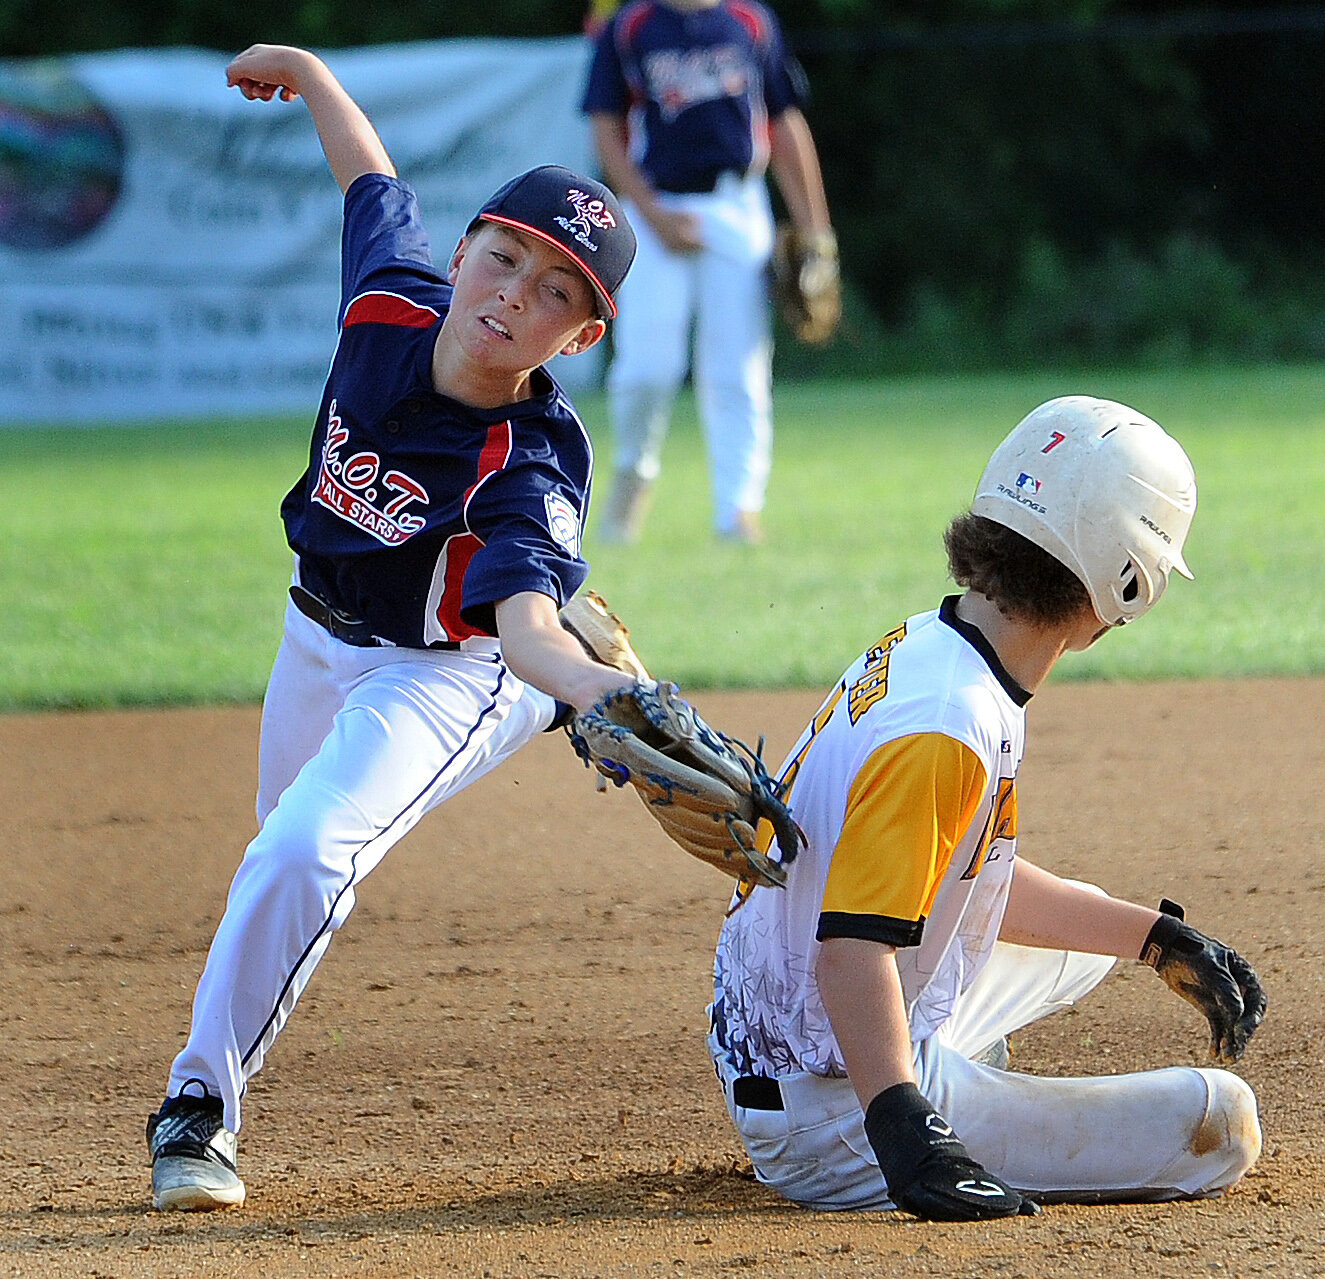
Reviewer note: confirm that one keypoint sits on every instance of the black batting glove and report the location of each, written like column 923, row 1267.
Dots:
column 1209, row 975
column 928, row 1170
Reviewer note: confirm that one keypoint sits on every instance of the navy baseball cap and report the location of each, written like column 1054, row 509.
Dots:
column 572, row 213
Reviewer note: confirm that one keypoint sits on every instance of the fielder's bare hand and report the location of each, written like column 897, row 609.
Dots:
column 265, row 71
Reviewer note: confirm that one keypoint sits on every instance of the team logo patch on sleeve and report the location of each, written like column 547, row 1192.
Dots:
column 563, row 522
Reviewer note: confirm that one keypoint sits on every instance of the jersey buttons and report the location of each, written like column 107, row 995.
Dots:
column 410, row 407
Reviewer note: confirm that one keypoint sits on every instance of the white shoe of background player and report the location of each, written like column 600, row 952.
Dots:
column 627, row 505
column 193, row 1156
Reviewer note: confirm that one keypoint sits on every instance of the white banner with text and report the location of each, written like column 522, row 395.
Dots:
column 168, row 249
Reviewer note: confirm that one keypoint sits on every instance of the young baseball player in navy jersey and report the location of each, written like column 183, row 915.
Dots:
column 436, row 533
column 860, row 1016
column 690, row 101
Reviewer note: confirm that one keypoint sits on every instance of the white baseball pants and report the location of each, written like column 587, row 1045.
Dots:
column 721, row 291
column 356, row 745
column 1160, row 1134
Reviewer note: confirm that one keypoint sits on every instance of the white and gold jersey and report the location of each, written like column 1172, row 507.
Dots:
column 904, row 784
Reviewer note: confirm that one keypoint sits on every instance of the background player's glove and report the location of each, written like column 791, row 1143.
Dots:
column 706, row 790
column 806, row 285
column 928, row 1170
column 1209, row 975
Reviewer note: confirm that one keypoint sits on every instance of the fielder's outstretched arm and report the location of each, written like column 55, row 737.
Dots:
column 540, row 651
column 349, row 141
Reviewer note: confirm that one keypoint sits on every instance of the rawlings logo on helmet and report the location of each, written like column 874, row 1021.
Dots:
column 1155, row 528
column 1018, row 496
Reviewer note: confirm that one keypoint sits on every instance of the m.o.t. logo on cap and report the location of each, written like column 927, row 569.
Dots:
column 589, row 213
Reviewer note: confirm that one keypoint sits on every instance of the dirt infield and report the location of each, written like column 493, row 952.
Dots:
column 499, row 1068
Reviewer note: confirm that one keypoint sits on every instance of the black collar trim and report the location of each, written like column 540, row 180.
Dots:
column 976, row 639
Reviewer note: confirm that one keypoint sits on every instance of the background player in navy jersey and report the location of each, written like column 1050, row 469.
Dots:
column 436, row 532
column 690, row 101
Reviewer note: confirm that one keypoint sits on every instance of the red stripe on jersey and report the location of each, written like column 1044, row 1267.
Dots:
column 749, row 18
column 459, row 550
column 631, row 20
column 453, row 562
column 492, row 456
column 388, row 308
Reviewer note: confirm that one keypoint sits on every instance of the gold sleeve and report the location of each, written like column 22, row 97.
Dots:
column 907, row 808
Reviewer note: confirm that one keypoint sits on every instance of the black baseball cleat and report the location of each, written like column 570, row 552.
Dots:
column 193, row 1156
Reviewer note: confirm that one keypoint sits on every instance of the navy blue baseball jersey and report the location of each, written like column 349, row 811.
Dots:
column 417, row 513
column 705, row 82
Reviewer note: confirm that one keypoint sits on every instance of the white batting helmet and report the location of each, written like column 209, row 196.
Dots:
column 1104, row 490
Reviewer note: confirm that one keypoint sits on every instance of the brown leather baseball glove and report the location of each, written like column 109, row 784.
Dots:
column 806, row 284
column 706, row 790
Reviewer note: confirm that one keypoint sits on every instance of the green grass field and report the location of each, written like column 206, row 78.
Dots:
column 146, row 564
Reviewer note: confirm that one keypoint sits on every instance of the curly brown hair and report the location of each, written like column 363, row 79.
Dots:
column 1024, row 581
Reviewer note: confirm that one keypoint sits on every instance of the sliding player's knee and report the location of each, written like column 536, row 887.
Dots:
column 1229, row 1135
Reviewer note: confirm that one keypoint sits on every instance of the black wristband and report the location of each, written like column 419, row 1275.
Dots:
column 927, row 1169
column 904, row 1130
column 1163, row 933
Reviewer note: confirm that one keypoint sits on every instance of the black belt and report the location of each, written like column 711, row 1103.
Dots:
column 349, row 630
column 757, row 1092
